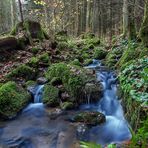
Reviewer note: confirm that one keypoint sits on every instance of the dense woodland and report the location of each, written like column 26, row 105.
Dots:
column 46, row 47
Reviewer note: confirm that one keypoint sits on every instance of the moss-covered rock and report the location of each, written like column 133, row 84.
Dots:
column 87, row 62
column 113, row 57
column 100, row 53
column 13, row 98
column 76, row 62
column 90, row 118
column 30, row 29
column 33, row 62
column 30, row 83
column 23, row 71
column 73, row 79
column 35, row 50
column 93, row 91
column 67, row 105
column 8, row 43
column 44, row 58
column 51, row 96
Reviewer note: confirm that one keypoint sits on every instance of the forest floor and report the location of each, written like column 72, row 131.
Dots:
column 80, row 52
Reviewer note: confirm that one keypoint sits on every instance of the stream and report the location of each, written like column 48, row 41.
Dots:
column 41, row 127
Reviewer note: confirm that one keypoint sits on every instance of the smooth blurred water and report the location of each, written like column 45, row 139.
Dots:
column 116, row 128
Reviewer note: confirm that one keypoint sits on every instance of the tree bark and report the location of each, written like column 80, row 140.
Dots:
column 21, row 11
column 144, row 27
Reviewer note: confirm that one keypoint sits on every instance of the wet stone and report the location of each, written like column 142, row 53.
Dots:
column 41, row 81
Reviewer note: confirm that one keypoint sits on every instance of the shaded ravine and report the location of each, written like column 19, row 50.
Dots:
column 39, row 127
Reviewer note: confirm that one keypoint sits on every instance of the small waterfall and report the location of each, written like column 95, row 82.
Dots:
column 38, row 94
column 116, row 128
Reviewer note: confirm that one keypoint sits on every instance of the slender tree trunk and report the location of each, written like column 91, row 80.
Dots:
column 131, row 20
column 125, row 17
column 88, row 16
column 144, row 27
column 12, row 13
column 21, row 11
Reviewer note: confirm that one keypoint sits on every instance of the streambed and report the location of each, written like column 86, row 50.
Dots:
column 40, row 127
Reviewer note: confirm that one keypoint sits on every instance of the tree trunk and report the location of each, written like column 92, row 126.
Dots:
column 131, row 20
column 144, row 27
column 125, row 17
column 21, row 11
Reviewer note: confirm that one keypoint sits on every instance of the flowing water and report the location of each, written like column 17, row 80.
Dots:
column 35, row 127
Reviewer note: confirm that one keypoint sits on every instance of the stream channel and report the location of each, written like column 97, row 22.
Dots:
column 41, row 127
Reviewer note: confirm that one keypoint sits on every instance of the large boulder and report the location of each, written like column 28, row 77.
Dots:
column 75, row 84
column 51, row 95
column 22, row 72
column 93, row 91
column 7, row 43
column 13, row 98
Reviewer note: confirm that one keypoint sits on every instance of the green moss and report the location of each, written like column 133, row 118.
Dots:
column 21, row 42
column 91, row 118
column 113, row 56
column 59, row 70
column 62, row 45
column 30, row 83
column 85, row 55
column 33, row 62
column 1, row 84
column 12, row 99
column 129, row 54
column 35, row 50
column 44, row 58
column 23, row 71
column 100, row 53
column 132, row 52
column 76, row 62
column 87, row 62
column 67, row 105
column 144, row 52
column 51, row 95
column 73, row 78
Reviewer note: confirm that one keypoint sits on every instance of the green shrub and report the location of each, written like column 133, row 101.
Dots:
column 12, row 99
